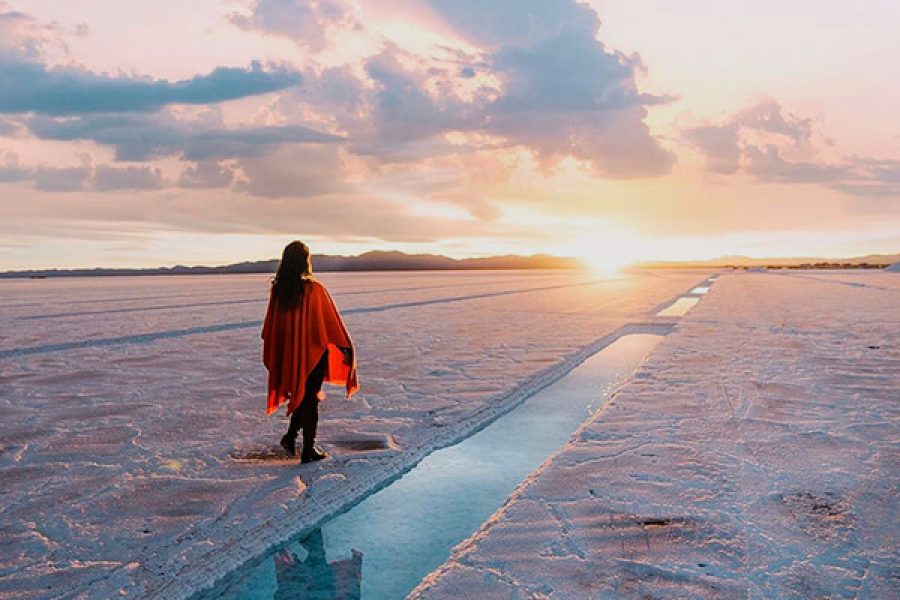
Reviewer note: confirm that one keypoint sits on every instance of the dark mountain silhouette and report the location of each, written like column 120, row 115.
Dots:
column 369, row 261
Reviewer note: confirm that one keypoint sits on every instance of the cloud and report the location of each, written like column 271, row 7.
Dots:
column 759, row 139
column 8, row 128
column 539, row 78
column 562, row 92
column 308, row 23
column 21, row 35
column 514, row 22
column 10, row 169
column 884, row 171
column 719, row 143
column 396, row 108
column 103, row 178
column 856, row 176
column 568, row 96
column 292, row 172
column 61, row 179
column 401, row 108
column 142, row 137
column 29, row 86
column 207, row 174
column 295, row 171
column 769, row 116
column 767, row 164
column 108, row 178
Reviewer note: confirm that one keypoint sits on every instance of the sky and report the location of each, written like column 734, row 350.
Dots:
column 140, row 133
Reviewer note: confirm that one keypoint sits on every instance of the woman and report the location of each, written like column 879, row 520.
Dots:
column 305, row 343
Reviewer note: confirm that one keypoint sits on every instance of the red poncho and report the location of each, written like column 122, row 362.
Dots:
column 293, row 343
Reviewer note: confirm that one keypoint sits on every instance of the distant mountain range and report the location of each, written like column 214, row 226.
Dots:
column 399, row 261
column 874, row 260
column 370, row 261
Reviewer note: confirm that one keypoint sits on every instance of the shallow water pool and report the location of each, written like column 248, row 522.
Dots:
column 679, row 307
column 385, row 545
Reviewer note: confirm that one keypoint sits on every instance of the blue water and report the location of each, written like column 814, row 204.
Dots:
column 382, row 547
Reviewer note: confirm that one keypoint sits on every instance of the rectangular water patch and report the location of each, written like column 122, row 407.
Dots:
column 679, row 307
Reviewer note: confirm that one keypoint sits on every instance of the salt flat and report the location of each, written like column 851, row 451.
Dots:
column 754, row 455
column 124, row 400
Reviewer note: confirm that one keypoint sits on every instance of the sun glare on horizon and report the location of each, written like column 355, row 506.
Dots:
column 606, row 251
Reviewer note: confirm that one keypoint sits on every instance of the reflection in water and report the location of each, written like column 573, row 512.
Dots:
column 314, row 578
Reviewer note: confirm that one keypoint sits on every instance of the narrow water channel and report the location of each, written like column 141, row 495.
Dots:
column 383, row 546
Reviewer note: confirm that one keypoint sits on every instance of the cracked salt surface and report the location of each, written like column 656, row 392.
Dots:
column 116, row 476
column 398, row 535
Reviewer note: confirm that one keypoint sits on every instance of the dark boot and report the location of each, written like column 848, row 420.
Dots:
column 289, row 440
column 289, row 443
column 312, row 454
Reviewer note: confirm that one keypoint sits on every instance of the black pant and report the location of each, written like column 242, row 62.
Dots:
column 306, row 416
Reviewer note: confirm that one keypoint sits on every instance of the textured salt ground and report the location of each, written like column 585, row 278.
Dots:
column 116, row 473
column 754, row 455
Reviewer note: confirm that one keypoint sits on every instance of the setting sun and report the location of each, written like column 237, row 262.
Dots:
column 607, row 251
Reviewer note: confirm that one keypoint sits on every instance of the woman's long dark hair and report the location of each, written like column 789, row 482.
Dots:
column 293, row 271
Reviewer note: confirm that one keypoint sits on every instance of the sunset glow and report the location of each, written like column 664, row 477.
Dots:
column 607, row 250
column 611, row 130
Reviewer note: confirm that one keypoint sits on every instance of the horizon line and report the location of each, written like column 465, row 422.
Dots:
column 720, row 261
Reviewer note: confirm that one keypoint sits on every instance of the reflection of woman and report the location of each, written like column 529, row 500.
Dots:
column 305, row 343
column 315, row 578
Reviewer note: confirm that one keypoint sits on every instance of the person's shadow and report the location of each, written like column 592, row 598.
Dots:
column 314, row 578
